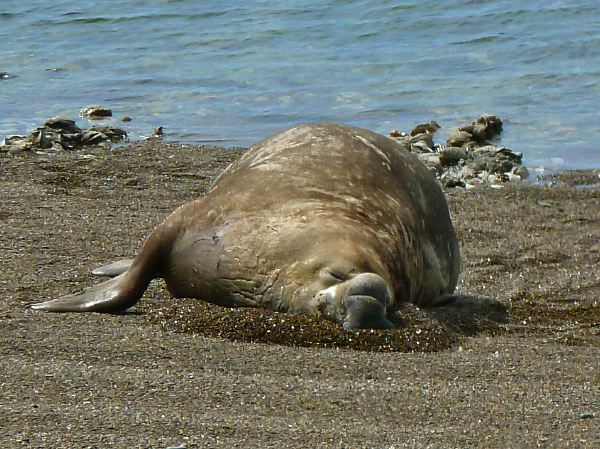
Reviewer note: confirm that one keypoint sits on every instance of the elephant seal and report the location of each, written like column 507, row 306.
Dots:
column 322, row 219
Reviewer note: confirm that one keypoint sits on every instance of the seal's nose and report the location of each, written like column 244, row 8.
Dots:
column 365, row 312
column 366, row 300
column 370, row 284
column 358, row 303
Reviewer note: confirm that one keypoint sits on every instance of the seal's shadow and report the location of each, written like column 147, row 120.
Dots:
column 464, row 314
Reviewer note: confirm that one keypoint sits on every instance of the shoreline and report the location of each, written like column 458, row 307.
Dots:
column 164, row 375
column 471, row 156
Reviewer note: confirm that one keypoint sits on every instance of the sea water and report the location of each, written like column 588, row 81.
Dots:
column 232, row 72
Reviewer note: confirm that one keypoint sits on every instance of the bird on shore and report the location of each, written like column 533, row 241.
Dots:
column 157, row 133
column 429, row 128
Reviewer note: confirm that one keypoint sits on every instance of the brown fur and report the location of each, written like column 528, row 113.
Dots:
column 302, row 211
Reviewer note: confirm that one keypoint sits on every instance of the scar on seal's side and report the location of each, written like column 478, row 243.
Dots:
column 323, row 219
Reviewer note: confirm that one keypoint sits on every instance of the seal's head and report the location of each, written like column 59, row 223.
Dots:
column 341, row 279
column 359, row 302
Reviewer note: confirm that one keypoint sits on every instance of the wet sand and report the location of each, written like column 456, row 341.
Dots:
column 517, row 366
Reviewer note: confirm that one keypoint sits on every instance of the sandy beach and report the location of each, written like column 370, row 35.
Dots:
column 519, row 366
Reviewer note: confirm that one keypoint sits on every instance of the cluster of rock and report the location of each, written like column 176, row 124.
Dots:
column 60, row 133
column 469, row 157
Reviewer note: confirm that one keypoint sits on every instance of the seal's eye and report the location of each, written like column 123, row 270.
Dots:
column 335, row 276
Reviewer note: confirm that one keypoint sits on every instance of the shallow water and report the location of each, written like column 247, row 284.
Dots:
column 233, row 72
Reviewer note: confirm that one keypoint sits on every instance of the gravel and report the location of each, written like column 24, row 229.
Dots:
column 515, row 365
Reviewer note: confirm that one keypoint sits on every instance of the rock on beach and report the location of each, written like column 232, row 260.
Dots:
column 95, row 112
column 470, row 156
column 61, row 133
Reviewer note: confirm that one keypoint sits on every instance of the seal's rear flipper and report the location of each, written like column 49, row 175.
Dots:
column 105, row 297
column 113, row 269
column 114, row 295
column 123, row 291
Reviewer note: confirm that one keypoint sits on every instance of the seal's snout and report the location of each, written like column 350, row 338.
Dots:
column 358, row 303
column 365, row 312
column 370, row 284
column 365, row 302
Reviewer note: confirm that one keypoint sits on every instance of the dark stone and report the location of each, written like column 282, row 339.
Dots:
column 452, row 155
column 93, row 137
column 95, row 112
column 63, row 124
column 506, row 153
column 459, row 139
column 501, row 166
column 113, row 133
column 451, row 182
column 429, row 128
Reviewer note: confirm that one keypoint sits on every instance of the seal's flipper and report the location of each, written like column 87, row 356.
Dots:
column 113, row 269
column 121, row 292
column 105, row 297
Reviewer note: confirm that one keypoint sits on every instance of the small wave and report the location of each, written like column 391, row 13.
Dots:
column 124, row 98
column 127, row 19
column 478, row 40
